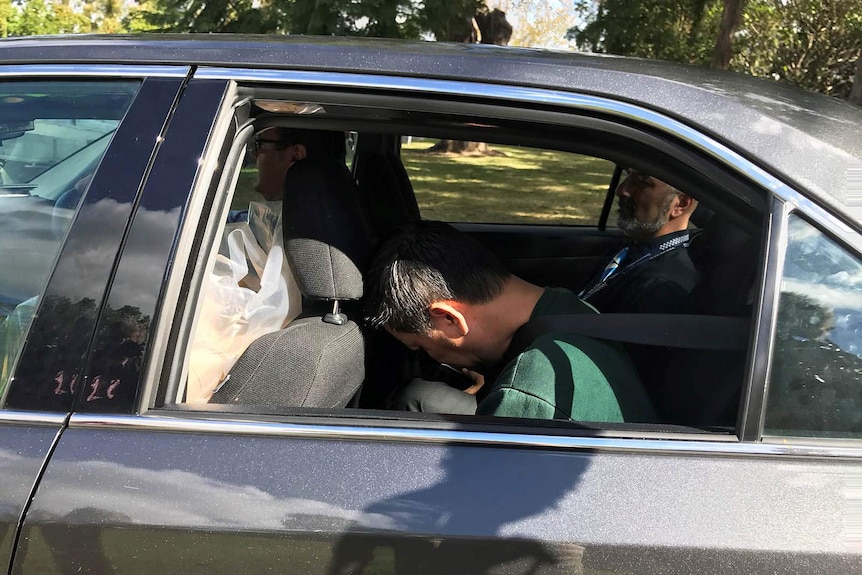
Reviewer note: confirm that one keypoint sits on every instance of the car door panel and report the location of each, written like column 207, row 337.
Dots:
column 174, row 501
column 23, row 449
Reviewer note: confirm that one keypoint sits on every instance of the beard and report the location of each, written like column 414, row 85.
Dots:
column 637, row 229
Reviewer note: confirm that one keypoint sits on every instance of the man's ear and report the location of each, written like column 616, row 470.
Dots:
column 684, row 203
column 449, row 318
column 299, row 152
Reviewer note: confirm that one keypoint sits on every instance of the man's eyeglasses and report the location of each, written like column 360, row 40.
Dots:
column 259, row 142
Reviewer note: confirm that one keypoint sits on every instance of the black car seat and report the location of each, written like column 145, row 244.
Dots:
column 385, row 191
column 699, row 387
column 388, row 199
column 319, row 359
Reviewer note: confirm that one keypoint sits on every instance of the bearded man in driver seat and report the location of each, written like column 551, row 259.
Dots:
column 655, row 273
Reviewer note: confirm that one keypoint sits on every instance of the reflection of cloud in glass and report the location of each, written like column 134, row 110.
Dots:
column 820, row 269
column 99, row 224
column 139, row 279
column 29, row 246
column 824, row 294
column 813, row 257
column 139, row 494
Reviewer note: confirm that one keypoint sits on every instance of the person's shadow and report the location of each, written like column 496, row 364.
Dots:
column 475, row 520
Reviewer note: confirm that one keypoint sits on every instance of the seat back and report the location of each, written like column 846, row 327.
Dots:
column 727, row 258
column 318, row 360
column 385, row 191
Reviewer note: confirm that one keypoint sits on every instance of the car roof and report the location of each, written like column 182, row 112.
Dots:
column 812, row 141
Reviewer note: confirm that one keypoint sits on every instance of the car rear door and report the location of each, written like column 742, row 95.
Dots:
column 71, row 176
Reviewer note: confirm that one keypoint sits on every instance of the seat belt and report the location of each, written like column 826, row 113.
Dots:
column 706, row 332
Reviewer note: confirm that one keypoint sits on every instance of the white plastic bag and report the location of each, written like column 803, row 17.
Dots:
column 241, row 303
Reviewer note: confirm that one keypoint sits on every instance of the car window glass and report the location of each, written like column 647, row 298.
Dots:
column 816, row 384
column 52, row 137
column 492, row 183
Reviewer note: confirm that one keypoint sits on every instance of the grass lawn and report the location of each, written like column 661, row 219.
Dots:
column 519, row 185
column 522, row 185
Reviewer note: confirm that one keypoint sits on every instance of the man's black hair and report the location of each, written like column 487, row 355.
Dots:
column 424, row 262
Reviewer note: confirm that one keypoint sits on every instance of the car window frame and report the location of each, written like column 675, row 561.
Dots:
column 625, row 114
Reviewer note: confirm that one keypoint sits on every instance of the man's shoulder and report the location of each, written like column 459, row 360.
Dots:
column 672, row 267
column 559, row 352
column 561, row 301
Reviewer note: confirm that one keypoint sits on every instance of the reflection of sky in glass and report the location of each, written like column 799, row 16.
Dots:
column 822, row 270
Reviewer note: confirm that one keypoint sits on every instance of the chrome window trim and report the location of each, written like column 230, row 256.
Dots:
column 783, row 195
column 766, row 336
column 656, row 445
column 32, row 418
column 93, row 70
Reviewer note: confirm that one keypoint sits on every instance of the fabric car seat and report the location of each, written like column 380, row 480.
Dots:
column 700, row 387
column 385, row 191
column 318, row 360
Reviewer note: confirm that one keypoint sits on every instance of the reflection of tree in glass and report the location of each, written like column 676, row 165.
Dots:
column 815, row 385
column 117, row 356
column 54, row 357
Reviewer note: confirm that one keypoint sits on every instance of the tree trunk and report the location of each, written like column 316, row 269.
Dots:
column 856, row 92
column 462, row 148
column 731, row 16
column 493, row 28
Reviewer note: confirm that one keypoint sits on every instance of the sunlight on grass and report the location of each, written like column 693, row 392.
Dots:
column 522, row 185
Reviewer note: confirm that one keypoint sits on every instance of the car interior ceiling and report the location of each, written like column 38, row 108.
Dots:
column 726, row 250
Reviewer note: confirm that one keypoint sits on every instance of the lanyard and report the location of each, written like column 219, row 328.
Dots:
column 615, row 269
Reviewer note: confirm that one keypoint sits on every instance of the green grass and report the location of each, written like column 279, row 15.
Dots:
column 522, row 185
column 518, row 185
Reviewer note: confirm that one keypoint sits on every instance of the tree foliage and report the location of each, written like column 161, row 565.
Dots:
column 810, row 43
column 538, row 23
column 32, row 17
column 450, row 20
column 677, row 30
column 814, row 44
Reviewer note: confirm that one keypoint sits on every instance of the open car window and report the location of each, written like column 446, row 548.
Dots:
column 247, row 289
